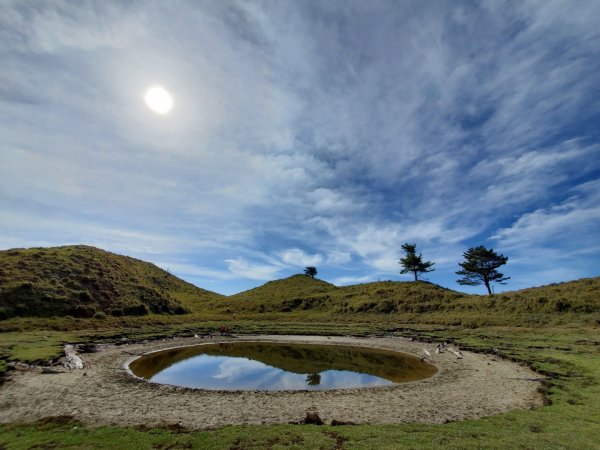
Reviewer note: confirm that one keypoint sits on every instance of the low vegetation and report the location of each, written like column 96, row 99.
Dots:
column 82, row 281
column 554, row 329
column 569, row 355
column 65, row 284
column 419, row 302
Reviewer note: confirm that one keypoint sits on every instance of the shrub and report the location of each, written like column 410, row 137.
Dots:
column 561, row 306
column 84, row 311
column 136, row 310
column 181, row 310
column 84, row 296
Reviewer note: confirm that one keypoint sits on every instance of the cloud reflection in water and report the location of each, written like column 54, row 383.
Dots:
column 229, row 373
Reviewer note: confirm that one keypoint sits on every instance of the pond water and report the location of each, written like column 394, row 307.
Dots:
column 277, row 366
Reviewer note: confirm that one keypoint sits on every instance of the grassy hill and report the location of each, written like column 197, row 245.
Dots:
column 410, row 301
column 554, row 329
column 84, row 281
column 282, row 295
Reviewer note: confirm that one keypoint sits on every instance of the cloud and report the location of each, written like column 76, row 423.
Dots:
column 234, row 368
column 297, row 257
column 54, row 26
column 576, row 220
column 194, row 271
column 245, row 269
column 347, row 280
column 336, row 257
column 297, row 134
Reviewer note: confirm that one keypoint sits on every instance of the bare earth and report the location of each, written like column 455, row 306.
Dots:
column 105, row 393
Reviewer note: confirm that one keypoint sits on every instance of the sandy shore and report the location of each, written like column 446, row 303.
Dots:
column 105, row 393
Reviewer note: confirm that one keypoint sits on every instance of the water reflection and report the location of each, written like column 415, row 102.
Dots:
column 272, row 366
column 313, row 379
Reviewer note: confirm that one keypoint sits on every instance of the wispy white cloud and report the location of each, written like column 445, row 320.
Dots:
column 298, row 135
column 347, row 280
column 576, row 220
column 245, row 269
column 297, row 257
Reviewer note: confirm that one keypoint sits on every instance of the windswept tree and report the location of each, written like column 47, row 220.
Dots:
column 411, row 263
column 311, row 271
column 480, row 266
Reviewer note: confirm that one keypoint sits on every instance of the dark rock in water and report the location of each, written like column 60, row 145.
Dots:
column 312, row 418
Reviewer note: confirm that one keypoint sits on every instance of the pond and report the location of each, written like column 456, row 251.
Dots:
column 269, row 366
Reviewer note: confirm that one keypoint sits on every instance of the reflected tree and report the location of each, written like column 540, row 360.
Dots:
column 313, row 379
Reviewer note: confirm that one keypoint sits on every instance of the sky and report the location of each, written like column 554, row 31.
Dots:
column 323, row 133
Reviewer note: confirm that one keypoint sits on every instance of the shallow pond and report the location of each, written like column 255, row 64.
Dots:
column 278, row 366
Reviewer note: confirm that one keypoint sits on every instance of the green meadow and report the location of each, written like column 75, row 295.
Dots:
column 554, row 329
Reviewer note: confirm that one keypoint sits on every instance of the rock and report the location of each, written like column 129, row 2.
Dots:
column 50, row 370
column 335, row 423
column 312, row 418
column 20, row 366
column 72, row 360
column 87, row 348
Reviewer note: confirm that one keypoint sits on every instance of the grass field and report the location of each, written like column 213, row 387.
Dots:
column 569, row 354
column 555, row 329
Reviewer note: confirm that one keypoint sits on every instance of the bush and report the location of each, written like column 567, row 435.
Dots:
column 561, row 306
column 84, row 311
column 136, row 310
column 100, row 315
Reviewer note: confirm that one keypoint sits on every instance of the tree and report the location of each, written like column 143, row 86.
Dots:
column 413, row 263
column 480, row 266
column 313, row 379
column 311, row 271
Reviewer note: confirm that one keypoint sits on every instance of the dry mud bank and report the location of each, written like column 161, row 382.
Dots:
column 105, row 393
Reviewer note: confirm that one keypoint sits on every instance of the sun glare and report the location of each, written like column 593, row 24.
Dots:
column 158, row 100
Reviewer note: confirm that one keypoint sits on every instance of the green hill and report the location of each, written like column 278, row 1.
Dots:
column 280, row 295
column 410, row 301
column 84, row 281
column 300, row 293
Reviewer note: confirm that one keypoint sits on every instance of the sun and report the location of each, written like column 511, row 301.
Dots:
column 158, row 99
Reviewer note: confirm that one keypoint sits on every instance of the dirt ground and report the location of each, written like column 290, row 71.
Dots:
column 105, row 393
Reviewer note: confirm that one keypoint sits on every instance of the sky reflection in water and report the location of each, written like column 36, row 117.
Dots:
column 279, row 366
column 230, row 373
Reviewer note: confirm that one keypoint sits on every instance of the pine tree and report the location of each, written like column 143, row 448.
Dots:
column 311, row 271
column 413, row 263
column 480, row 266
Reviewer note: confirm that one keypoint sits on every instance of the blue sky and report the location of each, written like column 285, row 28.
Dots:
column 305, row 133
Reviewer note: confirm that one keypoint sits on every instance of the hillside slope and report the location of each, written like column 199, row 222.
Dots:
column 277, row 295
column 84, row 281
column 302, row 293
column 409, row 300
